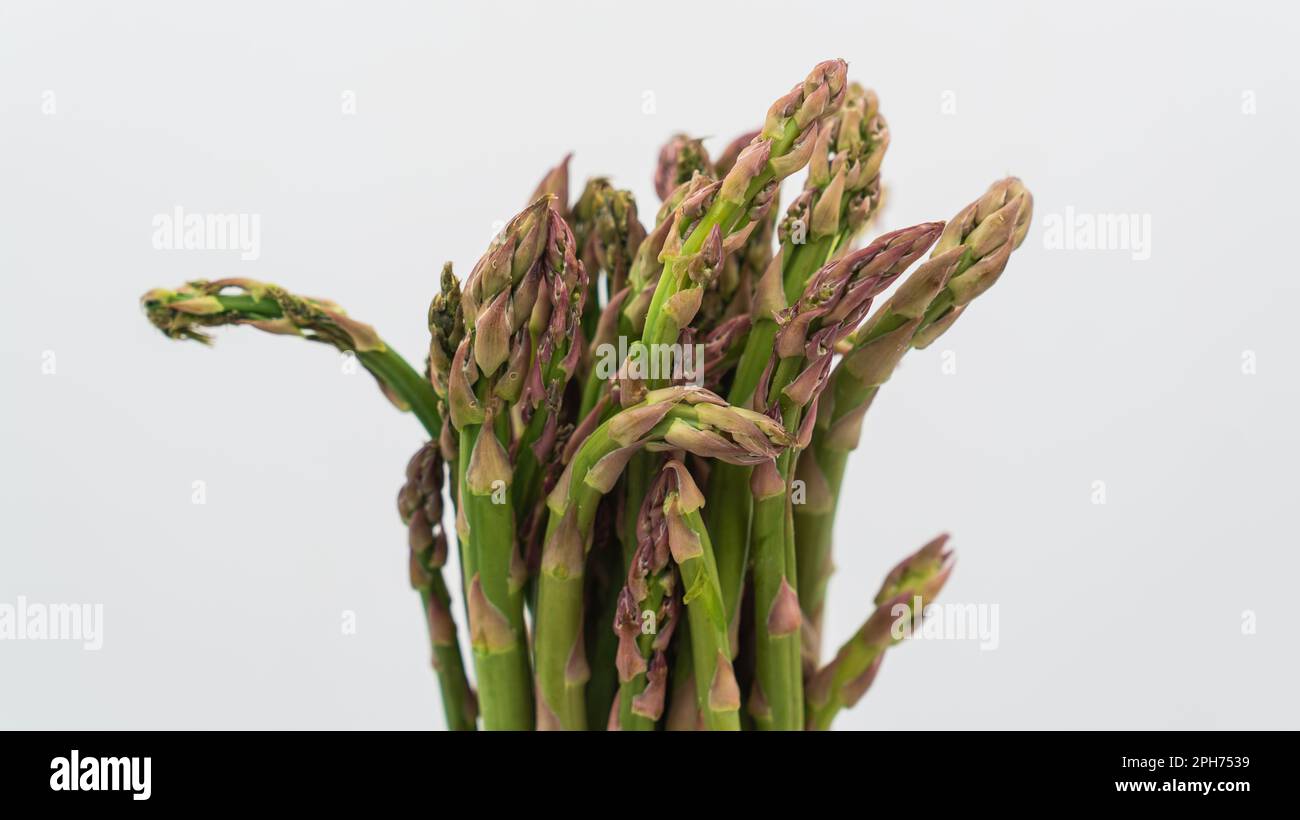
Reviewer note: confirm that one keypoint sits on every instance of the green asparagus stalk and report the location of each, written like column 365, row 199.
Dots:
column 188, row 311
column 420, row 505
column 522, row 304
column 908, row 589
column 695, row 247
column 840, row 197
column 677, row 418
column 716, row 690
column 967, row 259
column 833, row 303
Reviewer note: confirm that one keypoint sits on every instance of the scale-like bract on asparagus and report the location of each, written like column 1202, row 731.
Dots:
column 632, row 555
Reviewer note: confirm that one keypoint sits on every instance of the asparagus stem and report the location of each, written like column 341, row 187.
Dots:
column 717, row 693
column 967, row 260
column 902, row 599
column 458, row 703
column 185, row 313
column 840, row 197
column 420, row 505
column 496, row 595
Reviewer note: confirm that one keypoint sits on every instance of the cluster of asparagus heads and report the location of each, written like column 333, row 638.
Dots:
column 647, row 545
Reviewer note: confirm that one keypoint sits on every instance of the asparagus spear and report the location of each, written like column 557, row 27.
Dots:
column 835, row 300
column 716, row 691
column 420, row 504
column 840, row 196
column 555, row 184
column 967, row 259
column 646, row 618
column 908, row 588
column 188, row 311
column 608, row 234
column 695, row 246
column 522, row 304
column 676, row 418
column 679, row 160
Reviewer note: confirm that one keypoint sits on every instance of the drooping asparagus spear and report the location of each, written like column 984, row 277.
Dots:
column 676, row 418
column 188, row 311
column 834, row 301
column 420, row 505
column 967, row 259
column 908, row 589
column 840, row 196
column 695, row 245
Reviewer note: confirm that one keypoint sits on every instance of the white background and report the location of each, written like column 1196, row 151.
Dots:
column 1080, row 366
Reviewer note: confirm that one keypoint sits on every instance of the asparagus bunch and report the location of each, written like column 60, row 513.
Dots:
column 631, row 553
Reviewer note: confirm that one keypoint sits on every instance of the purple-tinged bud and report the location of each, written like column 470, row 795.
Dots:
column 927, row 335
column 751, row 162
column 650, row 703
column 818, row 498
column 826, row 213
column 727, row 158
column 708, row 444
column 689, row 497
column 679, row 160
column 605, row 473
column 510, row 384
column 576, row 670
column 813, row 107
column 682, row 306
column 781, row 110
column 724, row 693
column 492, row 333
column 683, row 542
column 634, row 423
column 784, row 617
column 853, row 691
column 488, row 464
column 489, row 629
column 564, row 552
column 464, row 406
column 803, row 149
column 766, row 481
column 556, row 184
column 695, row 204
column 769, row 297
